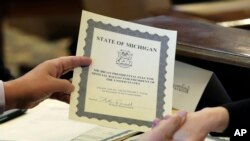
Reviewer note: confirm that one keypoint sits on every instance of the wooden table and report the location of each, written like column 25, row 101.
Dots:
column 223, row 50
column 207, row 41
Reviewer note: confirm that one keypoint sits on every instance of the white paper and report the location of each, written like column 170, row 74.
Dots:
column 189, row 84
column 105, row 134
column 46, row 122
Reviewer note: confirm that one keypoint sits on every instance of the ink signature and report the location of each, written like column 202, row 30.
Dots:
column 114, row 102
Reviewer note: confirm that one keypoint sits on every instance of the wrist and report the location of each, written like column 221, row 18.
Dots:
column 9, row 98
column 217, row 118
column 12, row 91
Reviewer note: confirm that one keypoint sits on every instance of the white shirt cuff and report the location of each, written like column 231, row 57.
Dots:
column 2, row 97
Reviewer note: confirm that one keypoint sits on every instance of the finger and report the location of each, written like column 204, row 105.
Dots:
column 182, row 114
column 155, row 122
column 62, row 85
column 171, row 124
column 166, row 116
column 61, row 96
column 68, row 63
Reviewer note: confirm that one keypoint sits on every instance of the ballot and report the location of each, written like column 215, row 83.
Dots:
column 130, row 80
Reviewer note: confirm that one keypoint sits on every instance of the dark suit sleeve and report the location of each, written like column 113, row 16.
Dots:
column 5, row 74
column 239, row 117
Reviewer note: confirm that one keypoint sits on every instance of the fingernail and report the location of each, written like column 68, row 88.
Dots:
column 155, row 123
column 182, row 113
column 166, row 116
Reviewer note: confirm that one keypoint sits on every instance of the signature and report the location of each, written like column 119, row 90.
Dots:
column 114, row 102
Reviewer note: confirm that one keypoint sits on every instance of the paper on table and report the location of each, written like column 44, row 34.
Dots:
column 109, row 134
column 46, row 122
column 100, row 133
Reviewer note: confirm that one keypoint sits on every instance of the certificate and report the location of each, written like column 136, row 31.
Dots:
column 130, row 80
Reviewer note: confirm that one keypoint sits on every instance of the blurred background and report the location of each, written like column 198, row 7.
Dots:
column 36, row 30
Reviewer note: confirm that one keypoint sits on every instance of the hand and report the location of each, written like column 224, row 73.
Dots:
column 198, row 124
column 164, row 129
column 42, row 82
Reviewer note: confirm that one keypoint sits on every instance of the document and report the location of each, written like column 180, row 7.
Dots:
column 130, row 80
column 189, row 84
column 100, row 133
column 196, row 88
column 46, row 122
